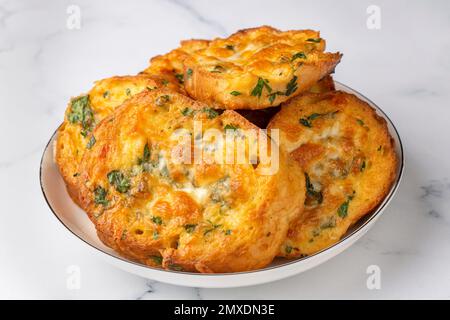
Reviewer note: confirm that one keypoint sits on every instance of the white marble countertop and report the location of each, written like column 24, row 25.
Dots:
column 404, row 67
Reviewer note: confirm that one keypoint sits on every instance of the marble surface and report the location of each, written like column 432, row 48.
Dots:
column 404, row 67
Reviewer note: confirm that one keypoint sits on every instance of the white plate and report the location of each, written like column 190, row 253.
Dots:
column 77, row 222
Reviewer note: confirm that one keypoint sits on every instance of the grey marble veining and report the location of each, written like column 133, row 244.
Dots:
column 403, row 67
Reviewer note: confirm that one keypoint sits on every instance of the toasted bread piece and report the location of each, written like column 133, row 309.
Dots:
column 349, row 160
column 84, row 112
column 197, row 215
column 257, row 68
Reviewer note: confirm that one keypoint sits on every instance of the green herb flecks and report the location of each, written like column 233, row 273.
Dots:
column 162, row 100
column 211, row 113
column 231, row 127
column 175, row 267
column 157, row 220
column 157, row 259
column 100, row 196
column 360, row 122
column 146, row 155
column 211, row 227
column 343, row 209
column 119, row 181
column 235, row 93
column 307, row 122
column 155, row 235
column 292, row 86
column 91, row 142
column 106, row 94
column 288, row 249
column 260, row 85
column 298, row 55
column 189, row 73
column 81, row 112
column 314, row 40
column 311, row 192
column 229, row 47
column 330, row 223
column 190, row 227
column 187, row 112
column 272, row 96
column 180, row 77
column 128, row 92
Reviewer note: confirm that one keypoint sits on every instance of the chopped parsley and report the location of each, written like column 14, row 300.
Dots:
column 330, row 223
column 231, row 127
column 162, row 100
column 119, row 181
column 147, row 154
column 311, row 192
column 165, row 82
column 180, row 78
column 175, row 267
column 291, row 87
column 272, row 96
column 235, row 93
column 128, row 92
column 343, row 209
column 81, row 112
column 100, row 196
column 298, row 55
column 307, row 121
column 187, row 112
column 157, row 220
column 211, row 113
column 315, row 40
column 288, row 249
column 229, row 47
column 190, row 227
column 91, row 142
column 106, row 94
column 157, row 259
column 228, row 232
column 188, row 73
column 260, row 85
column 360, row 122
column 155, row 235
column 211, row 228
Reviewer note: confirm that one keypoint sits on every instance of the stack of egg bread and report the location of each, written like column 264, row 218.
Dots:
column 121, row 151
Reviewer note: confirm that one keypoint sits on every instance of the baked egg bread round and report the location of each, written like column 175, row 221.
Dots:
column 198, row 214
column 257, row 68
column 85, row 111
column 349, row 161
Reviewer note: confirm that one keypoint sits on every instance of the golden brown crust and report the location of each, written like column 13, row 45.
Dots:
column 349, row 159
column 257, row 68
column 170, row 65
column 102, row 99
column 205, row 217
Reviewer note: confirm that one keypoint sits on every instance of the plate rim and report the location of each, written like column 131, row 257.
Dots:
column 291, row 263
